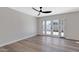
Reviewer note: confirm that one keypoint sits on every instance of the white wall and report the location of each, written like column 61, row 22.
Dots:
column 71, row 23
column 72, row 26
column 15, row 25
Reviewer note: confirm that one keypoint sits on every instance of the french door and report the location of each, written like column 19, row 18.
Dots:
column 53, row 28
column 47, row 27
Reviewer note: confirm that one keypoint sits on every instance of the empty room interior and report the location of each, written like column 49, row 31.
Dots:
column 39, row 29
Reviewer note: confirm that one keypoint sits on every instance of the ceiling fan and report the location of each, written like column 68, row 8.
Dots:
column 41, row 11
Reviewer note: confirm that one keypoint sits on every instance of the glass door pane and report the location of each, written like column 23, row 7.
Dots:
column 55, row 28
column 48, row 27
column 44, row 27
column 61, row 28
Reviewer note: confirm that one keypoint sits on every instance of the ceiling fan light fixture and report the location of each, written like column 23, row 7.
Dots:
column 41, row 11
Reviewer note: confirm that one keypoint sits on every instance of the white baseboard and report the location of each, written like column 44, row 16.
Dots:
column 1, row 45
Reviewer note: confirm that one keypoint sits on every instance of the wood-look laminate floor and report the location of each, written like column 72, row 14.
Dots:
column 42, row 44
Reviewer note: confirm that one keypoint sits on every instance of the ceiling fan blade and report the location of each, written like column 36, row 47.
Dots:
column 39, row 14
column 35, row 9
column 40, row 11
column 46, row 11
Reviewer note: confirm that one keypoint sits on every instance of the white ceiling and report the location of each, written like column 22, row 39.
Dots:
column 55, row 10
